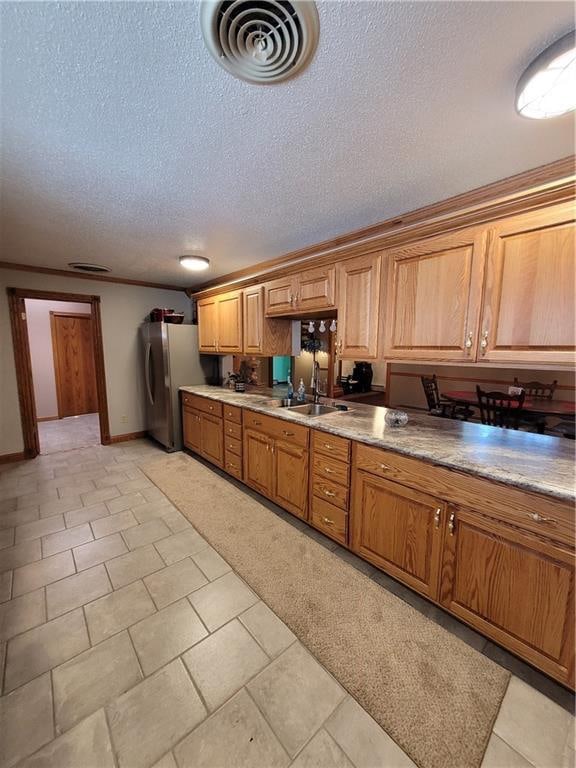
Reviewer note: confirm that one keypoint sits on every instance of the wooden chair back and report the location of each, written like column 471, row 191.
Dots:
column 536, row 390
column 430, row 387
column 499, row 409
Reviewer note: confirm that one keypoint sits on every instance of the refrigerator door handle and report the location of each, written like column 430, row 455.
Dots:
column 147, row 372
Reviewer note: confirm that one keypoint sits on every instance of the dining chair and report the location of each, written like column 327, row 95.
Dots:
column 499, row 409
column 536, row 390
column 440, row 406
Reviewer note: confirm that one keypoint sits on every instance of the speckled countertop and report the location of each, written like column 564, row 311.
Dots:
column 526, row 460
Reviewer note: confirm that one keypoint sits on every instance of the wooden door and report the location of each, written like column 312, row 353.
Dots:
column 230, row 323
column 433, row 298
column 280, row 296
column 208, row 324
column 529, row 305
column 359, row 282
column 74, row 369
column 191, row 429
column 212, row 438
column 291, row 477
column 316, row 289
column 399, row 530
column 253, row 320
column 513, row 587
column 258, row 462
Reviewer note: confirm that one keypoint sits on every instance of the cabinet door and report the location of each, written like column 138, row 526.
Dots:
column 433, row 298
column 230, row 323
column 280, row 296
column 528, row 314
column 191, row 430
column 291, row 477
column 258, row 461
column 359, row 317
column 253, row 320
column 399, row 530
column 513, row 587
column 208, row 324
column 212, row 436
column 316, row 289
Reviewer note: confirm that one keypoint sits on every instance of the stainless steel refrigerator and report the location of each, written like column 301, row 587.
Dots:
column 171, row 361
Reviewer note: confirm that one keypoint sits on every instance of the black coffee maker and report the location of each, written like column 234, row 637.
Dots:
column 363, row 374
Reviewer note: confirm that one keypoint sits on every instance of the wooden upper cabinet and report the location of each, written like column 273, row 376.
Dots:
column 528, row 313
column 433, row 298
column 399, row 530
column 208, row 324
column 312, row 290
column 262, row 335
column 359, row 307
column 514, row 587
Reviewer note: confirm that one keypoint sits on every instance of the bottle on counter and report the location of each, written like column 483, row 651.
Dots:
column 301, row 391
column 290, row 394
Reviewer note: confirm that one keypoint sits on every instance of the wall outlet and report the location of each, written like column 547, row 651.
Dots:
column 124, row 419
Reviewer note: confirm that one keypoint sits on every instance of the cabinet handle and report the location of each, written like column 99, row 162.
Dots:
column 257, row 423
column 484, row 342
column 468, row 342
column 452, row 523
column 437, row 518
column 327, row 445
column 328, row 471
column 541, row 519
column 232, row 466
column 385, row 467
column 288, row 434
column 292, row 298
column 329, row 493
column 327, row 521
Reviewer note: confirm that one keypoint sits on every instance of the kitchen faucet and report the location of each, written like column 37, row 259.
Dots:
column 316, row 391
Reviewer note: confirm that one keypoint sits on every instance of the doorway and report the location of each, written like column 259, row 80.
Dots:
column 60, row 370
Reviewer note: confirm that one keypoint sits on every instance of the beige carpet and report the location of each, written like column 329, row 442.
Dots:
column 434, row 695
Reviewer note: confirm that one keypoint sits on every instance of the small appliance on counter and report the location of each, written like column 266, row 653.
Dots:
column 363, row 374
column 163, row 315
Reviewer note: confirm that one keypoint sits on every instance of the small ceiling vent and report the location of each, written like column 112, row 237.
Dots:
column 82, row 266
column 261, row 41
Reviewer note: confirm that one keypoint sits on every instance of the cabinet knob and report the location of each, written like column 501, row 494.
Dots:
column 484, row 342
column 541, row 519
column 288, row 434
column 437, row 518
column 385, row 467
column 468, row 342
column 327, row 521
column 329, row 493
column 328, row 471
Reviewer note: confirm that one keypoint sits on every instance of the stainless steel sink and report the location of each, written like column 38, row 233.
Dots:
column 314, row 409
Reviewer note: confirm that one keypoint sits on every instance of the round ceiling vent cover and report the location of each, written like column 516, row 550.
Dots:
column 261, row 41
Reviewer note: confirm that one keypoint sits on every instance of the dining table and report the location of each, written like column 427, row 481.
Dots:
column 539, row 406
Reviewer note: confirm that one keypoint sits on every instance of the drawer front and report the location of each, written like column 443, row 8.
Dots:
column 532, row 512
column 329, row 519
column 330, row 445
column 232, row 430
column 232, row 445
column 336, row 471
column 330, row 492
column 277, row 428
column 233, row 413
column 233, row 464
column 203, row 404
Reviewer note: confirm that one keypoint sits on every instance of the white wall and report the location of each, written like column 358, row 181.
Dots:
column 41, row 352
column 123, row 309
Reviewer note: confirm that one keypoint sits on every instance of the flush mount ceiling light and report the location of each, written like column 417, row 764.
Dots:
column 548, row 86
column 84, row 266
column 194, row 263
column 261, row 41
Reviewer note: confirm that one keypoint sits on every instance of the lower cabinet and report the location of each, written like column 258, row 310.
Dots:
column 212, row 439
column 291, row 477
column 399, row 530
column 258, row 462
column 513, row 587
column 191, row 429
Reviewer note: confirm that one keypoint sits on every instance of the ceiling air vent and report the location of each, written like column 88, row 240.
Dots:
column 82, row 266
column 261, row 41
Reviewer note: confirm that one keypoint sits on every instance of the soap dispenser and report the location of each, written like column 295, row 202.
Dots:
column 301, row 391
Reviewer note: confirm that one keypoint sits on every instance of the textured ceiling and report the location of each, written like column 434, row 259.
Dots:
column 124, row 142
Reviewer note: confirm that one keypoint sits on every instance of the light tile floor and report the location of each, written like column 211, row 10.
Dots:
column 69, row 433
column 126, row 640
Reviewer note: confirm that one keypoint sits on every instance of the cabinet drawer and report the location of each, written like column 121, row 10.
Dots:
column 336, row 471
column 203, row 404
column 233, row 413
column 233, row 445
column 330, row 445
column 232, row 430
column 329, row 519
column 232, row 464
column 277, row 428
column 331, row 492
column 548, row 517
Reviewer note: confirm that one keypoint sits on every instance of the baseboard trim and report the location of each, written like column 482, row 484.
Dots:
column 8, row 458
column 127, row 436
column 47, row 418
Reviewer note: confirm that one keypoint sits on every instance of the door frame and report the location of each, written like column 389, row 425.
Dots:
column 53, row 315
column 23, row 361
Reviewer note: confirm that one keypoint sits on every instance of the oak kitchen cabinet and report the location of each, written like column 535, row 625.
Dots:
column 202, row 427
column 360, row 309
column 313, row 290
column 220, row 323
column 263, row 335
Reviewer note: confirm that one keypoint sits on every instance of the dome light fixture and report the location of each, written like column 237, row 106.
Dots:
column 548, row 86
column 194, row 263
